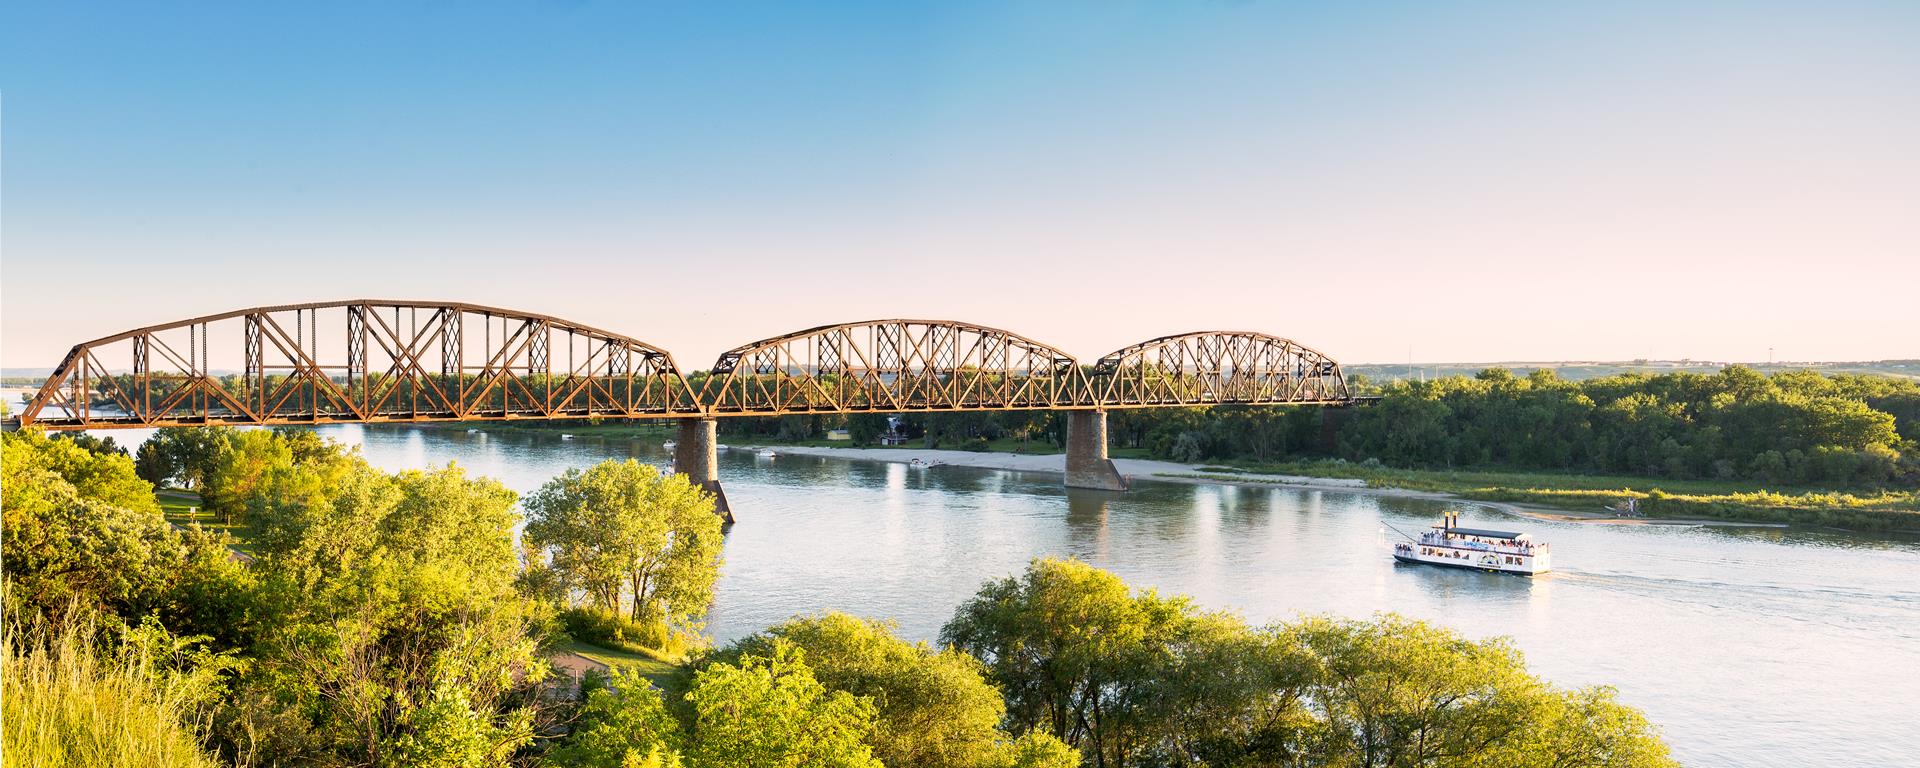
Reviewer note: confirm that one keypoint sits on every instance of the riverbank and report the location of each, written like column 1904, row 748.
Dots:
column 1555, row 496
column 1598, row 497
column 614, row 429
column 1175, row 472
column 1020, row 462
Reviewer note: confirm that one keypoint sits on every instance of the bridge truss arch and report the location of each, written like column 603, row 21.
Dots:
column 894, row 366
column 364, row 360
column 1215, row 368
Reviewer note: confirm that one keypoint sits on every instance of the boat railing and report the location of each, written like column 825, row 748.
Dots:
column 1432, row 539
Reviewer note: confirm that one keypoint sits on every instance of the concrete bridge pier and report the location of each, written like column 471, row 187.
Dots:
column 1087, row 462
column 696, row 454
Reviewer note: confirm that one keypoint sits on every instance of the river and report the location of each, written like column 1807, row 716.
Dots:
column 1749, row 646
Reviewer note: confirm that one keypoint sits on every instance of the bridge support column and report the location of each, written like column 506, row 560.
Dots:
column 696, row 455
column 1087, row 462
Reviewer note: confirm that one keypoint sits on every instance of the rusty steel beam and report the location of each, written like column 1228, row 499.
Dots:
column 369, row 361
column 1218, row 368
column 894, row 366
column 376, row 361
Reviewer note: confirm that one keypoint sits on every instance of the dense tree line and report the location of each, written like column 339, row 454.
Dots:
column 394, row 619
column 1064, row 665
column 1791, row 428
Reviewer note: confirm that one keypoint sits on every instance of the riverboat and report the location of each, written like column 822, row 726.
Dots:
column 1452, row 545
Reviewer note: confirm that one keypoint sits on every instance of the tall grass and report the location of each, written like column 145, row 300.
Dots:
column 69, row 703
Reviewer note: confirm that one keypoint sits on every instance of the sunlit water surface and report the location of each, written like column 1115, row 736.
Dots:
column 1750, row 646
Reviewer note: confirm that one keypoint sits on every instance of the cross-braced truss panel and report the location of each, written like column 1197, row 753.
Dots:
column 1215, row 368
column 381, row 361
column 894, row 366
column 359, row 361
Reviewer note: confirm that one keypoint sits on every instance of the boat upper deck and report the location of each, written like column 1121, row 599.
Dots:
column 1484, row 533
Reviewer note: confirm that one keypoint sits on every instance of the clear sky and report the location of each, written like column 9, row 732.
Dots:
column 1458, row 181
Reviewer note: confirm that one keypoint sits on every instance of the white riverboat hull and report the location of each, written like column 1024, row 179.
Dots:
column 1478, row 560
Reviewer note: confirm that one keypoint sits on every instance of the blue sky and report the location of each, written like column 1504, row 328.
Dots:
column 1458, row 181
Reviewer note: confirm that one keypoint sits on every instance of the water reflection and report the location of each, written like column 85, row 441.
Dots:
column 1087, row 523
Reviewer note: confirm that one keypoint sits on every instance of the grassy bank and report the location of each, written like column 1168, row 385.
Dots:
column 1855, row 509
column 183, row 508
column 660, row 671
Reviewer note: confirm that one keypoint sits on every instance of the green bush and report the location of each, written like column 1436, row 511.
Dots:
column 620, row 633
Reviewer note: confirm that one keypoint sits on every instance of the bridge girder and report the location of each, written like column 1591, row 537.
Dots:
column 894, row 366
column 375, row 361
column 1215, row 368
column 366, row 360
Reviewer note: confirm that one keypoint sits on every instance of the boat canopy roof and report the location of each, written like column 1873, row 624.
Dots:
column 1485, row 533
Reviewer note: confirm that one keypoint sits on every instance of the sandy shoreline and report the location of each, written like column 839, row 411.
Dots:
column 1172, row 472
column 1137, row 469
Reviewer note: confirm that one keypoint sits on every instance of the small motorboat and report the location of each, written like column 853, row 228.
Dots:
column 668, row 445
column 565, row 436
column 1450, row 544
column 766, row 453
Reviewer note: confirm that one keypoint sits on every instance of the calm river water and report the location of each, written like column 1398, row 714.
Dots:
column 1750, row 646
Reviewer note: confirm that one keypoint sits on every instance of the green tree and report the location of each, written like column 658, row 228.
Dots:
column 100, row 541
column 1075, row 653
column 91, row 443
column 770, row 711
column 391, row 633
column 932, row 708
column 623, row 724
column 1038, row 750
column 446, row 732
column 184, row 455
column 865, row 428
column 250, row 458
column 1132, row 678
column 623, row 530
column 108, row 478
column 1587, row 728
column 1404, row 693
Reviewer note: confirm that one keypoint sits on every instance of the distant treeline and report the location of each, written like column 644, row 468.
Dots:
column 1795, row 427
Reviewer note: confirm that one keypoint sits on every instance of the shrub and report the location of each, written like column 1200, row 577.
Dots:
column 69, row 702
column 621, row 633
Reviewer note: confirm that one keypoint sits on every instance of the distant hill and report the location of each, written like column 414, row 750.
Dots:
column 1584, row 369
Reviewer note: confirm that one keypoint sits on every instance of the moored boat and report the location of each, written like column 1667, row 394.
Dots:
column 1450, row 544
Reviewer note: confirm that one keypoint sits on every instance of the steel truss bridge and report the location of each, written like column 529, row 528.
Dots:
column 375, row 361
